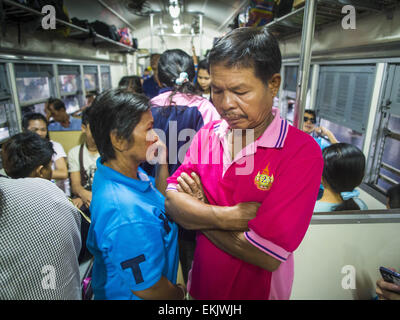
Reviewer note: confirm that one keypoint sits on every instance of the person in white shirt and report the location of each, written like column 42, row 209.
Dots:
column 82, row 166
column 36, row 122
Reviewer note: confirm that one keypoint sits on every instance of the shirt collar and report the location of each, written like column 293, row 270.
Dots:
column 109, row 173
column 273, row 137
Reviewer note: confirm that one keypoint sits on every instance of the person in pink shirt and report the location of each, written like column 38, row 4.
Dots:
column 249, row 182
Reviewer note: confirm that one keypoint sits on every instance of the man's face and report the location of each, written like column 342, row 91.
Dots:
column 241, row 98
column 38, row 126
column 309, row 123
column 58, row 115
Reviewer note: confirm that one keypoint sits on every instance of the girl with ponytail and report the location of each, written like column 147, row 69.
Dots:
column 344, row 166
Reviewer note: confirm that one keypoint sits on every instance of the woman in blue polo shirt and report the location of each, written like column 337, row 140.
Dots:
column 133, row 242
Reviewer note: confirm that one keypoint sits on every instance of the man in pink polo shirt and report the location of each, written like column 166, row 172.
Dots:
column 250, row 156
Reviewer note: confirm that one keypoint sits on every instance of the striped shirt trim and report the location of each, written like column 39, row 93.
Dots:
column 282, row 134
column 259, row 245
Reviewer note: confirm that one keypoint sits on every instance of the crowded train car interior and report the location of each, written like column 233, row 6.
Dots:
column 339, row 83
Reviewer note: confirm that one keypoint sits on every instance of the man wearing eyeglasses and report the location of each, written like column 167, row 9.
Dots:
column 319, row 133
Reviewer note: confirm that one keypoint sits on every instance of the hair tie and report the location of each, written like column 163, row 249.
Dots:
column 349, row 194
column 183, row 77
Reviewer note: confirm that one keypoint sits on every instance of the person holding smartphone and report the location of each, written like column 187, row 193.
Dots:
column 387, row 290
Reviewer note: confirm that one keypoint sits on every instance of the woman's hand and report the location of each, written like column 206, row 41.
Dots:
column 157, row 153
column 86, row 197
column 192, row 186
column 77, row 202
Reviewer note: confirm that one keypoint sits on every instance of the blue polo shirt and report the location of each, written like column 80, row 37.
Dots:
column 74, row 125
column 131, row 238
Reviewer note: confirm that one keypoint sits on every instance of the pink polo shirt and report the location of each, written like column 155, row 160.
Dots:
column 281, row 170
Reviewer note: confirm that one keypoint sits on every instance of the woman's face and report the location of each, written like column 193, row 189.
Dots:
column 204, row 80
column 142, row 137
column 39, row 127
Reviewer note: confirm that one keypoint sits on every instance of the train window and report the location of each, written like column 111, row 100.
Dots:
column 71, row 104
column 344, row 134
column 90, row 78
column 33, row 83
column 4, row 87
column 105, row 77
column 4, row 131
column 290, row 78
column 70, row 87
column 32, row 89
column 385, row 171
column 68, row 84
column 8, row 120
column 344, row 96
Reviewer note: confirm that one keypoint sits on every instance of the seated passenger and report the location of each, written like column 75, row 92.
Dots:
column 82, row 166
column 55, row 109
column 37, row 123
column 40, row 238
column 318, row 133
column 133, row 242
column 178, row 110
column 393, row 197
column 131, row 83
column 344, row 166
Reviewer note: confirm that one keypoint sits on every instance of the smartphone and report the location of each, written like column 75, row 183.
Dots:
column 390, row 276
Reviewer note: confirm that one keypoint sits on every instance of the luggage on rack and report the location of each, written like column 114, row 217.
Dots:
column 106, row 30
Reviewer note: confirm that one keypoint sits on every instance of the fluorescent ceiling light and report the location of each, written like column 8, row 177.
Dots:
column 174, row 10
column 177, row 26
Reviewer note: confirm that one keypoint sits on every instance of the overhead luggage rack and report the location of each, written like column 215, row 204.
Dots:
column 15, row 12
column 328, row 11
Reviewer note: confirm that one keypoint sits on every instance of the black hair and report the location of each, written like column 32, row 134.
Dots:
column 132, row 83
column 171, row 64
column 24, row 152
column 34, row 116
column 85, row 115
column 393, row 195
column 57, row 103
column 115, row 110
column 92, row 93
column 248, row 47
column 203, row 64
column 311, row 112
column 344, row 167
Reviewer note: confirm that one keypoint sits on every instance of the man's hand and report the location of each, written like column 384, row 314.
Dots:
column 192, row 186
column 241, row 214
column 238, row 216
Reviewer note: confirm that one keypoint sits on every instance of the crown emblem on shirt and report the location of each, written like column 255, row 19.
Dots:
column 263, row 180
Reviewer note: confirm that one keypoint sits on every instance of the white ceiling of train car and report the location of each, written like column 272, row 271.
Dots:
column 217, row 13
